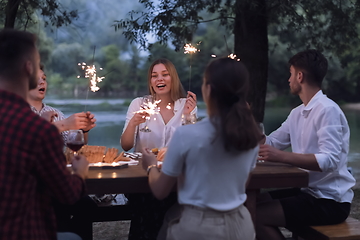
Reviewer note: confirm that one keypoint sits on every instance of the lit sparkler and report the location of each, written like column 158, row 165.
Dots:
column 190, row 49
column 90, row 73
column 150, row 108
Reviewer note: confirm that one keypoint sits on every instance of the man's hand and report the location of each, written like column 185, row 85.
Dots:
column 49, row 116
column 91, row 120
column 76, row 121
column 269, row 153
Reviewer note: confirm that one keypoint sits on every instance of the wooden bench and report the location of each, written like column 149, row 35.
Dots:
column 348, row 230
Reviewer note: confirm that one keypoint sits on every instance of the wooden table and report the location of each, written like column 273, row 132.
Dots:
column 134, row 180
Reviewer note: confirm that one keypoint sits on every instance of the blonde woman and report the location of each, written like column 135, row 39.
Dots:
column 164, row 86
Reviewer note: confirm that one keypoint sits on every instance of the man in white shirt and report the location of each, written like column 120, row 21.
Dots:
column 318, row 134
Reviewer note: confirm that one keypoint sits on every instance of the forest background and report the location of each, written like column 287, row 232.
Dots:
column 87, row 31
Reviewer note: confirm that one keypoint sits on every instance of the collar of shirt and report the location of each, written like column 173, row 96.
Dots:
column 307, row 109
column 36, row 111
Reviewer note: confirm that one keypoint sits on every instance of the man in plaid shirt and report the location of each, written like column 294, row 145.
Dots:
column 32, row 163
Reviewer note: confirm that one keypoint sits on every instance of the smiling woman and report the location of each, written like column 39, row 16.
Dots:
column 166, row 90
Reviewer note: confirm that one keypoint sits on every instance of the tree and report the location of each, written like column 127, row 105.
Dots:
column 22, row 10
column 325, row 25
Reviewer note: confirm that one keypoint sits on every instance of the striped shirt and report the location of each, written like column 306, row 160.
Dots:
column 60, row 116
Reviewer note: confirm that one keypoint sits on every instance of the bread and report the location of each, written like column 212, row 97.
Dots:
column 121, row 157
column 95, row 154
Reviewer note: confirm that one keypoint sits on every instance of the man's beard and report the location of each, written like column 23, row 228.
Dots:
column 295, row 90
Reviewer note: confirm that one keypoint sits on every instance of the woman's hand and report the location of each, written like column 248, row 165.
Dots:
column 148, row 158
column 138, row 118
column 190, row 102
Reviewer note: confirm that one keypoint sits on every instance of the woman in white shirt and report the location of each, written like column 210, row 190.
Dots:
column 211, row 161
column 164, row 85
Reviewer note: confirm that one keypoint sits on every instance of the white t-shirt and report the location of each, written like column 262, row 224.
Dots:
column 320, row 128
column 207, row 175
column 161, row 133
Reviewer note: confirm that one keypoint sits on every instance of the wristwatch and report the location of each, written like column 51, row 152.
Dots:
column 150, row 167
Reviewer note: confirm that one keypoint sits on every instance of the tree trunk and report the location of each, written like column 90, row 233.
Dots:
column 251, row 46
column 12, row 7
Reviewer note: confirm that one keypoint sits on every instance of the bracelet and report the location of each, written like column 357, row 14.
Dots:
column 84, row 131
column 150, row 167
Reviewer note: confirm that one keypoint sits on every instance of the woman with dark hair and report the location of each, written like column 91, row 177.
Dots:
column 164, row 85
column 211, row 161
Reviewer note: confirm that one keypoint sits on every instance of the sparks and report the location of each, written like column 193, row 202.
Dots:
column 90, row 73
column 168, row 106
column 150, row 108
column 190, row 49
column 233, row 56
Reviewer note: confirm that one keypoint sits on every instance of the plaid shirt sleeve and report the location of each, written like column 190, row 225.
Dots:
column 65, row 187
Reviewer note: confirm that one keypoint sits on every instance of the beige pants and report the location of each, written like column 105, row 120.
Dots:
column 197, row 223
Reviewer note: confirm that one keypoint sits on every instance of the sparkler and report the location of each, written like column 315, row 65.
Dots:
column 189, row 49
column 150, row 108
column 90, row 73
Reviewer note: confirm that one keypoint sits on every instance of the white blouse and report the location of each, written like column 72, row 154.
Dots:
column 161, row 133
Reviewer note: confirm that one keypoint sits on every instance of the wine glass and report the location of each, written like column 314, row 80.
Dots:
column 145, row 106
column 75, row 140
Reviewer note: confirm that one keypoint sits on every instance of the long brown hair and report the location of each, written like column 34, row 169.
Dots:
column 229, row 84
column 177, row 90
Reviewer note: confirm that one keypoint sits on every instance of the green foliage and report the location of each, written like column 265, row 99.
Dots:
column 327, row 25
column 172, row 20
column 65, row 59
column 53, row 12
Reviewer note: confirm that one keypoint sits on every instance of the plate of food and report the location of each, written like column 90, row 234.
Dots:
column 101, row 156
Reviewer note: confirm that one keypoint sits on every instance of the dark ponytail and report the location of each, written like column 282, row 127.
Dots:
column 230, row 113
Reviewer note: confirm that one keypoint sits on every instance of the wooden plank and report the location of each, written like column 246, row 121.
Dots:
column 348, row 230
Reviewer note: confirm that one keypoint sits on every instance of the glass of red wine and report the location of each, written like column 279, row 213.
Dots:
column 75, row 140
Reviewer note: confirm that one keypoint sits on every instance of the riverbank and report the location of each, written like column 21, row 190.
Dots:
column 351, row 106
